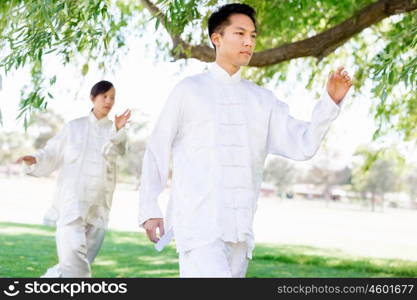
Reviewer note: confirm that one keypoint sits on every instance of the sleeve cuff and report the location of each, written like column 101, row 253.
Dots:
column 155, row 214
column 29, row 170
column 118, row 136
column 325, row 95
column 329, row 107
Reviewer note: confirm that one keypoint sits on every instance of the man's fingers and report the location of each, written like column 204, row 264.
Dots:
column 152, row 235
column 339, row 70
column 151, row 225
column 161, row 228
column 340, row 73
column 331, row 74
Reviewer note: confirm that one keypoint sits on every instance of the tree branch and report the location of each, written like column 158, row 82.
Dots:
column 317, row 46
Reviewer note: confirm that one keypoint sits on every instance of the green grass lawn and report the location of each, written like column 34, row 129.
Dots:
column 28, row 250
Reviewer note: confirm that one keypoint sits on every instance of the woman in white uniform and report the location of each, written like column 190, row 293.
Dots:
column 85, row 154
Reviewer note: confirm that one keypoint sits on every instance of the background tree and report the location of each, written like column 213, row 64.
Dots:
column 380, row 173
column 43, row 126
column 326, row 172
column 280, row 172
column 12, row 146
column 411, row 185
column 378, row 38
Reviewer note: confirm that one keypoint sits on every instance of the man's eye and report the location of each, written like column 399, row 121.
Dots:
column 239, row 33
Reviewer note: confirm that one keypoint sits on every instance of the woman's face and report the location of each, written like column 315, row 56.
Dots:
column 104, row 102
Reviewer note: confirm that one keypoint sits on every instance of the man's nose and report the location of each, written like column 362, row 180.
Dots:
column 248, row 41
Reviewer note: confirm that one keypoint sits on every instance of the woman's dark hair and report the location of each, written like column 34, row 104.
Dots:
column 100, row 88
column 220, row 18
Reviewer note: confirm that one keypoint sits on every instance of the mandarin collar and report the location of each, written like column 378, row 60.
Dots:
column 95, row 121
column 221, row 74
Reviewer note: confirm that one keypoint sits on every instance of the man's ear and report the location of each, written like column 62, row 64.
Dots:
column 215, row 39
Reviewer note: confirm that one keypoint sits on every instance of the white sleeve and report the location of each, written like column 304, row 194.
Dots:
column 49, row 158
column 297, row 139
column 157, row 156
column 117, row 143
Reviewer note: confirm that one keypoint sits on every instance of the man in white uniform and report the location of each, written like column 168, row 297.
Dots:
column 85, row 151
column 219, row 128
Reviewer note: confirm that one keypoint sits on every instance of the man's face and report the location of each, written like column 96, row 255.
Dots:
column 236, row 42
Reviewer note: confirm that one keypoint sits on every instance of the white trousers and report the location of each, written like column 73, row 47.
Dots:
column 217, row 259
column 77, row 244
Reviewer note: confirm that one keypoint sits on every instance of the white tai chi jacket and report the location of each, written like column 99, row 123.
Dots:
column 219, row 129
column 85, row 151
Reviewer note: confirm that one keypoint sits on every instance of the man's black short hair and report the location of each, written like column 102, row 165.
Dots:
column 220, row 18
